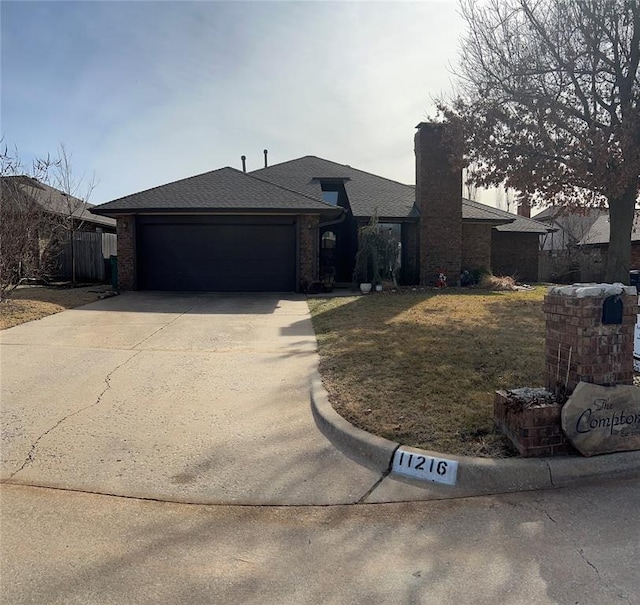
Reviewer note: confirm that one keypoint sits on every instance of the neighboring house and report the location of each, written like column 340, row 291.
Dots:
column 60, row 215
column 283, row 227
column 562, row 257
column 60, row 205
column 595, row 246
column 570, row 225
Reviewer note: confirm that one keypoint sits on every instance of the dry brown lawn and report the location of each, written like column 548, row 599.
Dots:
column 421, row 368
column 34, row 302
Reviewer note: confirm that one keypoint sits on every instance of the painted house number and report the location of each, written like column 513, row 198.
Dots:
column 427, row 468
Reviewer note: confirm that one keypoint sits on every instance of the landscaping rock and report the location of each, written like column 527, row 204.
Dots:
column 599, row 420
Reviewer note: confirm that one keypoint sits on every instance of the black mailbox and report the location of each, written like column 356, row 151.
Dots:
column 612, row 310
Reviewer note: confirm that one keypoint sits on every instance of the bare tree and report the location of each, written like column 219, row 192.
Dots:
column 549, row 104
column 74, row 200
column 23, row 222
column 470, row 188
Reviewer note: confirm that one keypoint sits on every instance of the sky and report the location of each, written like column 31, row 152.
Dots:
column 142, row 93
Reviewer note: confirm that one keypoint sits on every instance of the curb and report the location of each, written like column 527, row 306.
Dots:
column 475, row 475
column 372, row 451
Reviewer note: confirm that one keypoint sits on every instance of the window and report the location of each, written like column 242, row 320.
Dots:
column 331, row 197
column 393, row 231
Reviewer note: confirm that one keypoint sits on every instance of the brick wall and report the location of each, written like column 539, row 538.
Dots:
column 635, row 255
column 126, row 230
column 476, row 246
column 578, row 346
column 534, row 431
column 439, row 198
column 308, row 242
column 515, row 254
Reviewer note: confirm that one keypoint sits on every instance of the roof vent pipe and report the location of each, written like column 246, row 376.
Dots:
column 266, row 151
column 244, row 162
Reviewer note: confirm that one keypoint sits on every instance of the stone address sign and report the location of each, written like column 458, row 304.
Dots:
column 600, row 420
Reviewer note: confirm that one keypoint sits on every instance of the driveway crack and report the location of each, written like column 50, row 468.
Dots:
column 589, row 563
column 107, row 380
column 191, row 308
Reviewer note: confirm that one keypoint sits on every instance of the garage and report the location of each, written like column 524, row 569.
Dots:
column 221, row 231
column 216, row 254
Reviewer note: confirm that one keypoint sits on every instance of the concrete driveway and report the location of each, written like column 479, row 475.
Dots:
column 191, row 398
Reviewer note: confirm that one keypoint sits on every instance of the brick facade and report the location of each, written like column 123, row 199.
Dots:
column 579, row 347
column 635, row 255
column 439, row 198
column 126, row 230
column 476, row 246
column 308, row 242
column 515, row 254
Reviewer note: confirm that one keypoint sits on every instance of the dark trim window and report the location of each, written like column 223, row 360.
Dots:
column 331, row 197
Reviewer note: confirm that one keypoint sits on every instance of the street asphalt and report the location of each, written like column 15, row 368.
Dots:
column 556, row 547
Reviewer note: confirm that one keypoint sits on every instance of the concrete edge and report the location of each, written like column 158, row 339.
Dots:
column 570, row 470
column 475, row 475
column 372, row 451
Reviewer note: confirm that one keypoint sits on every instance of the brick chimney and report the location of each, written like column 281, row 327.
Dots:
column 524, row 209
column 439, row 198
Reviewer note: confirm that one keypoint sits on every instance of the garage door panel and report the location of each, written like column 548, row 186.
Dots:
column 216, row 257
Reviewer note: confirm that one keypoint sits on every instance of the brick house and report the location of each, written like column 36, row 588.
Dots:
column 282, row 227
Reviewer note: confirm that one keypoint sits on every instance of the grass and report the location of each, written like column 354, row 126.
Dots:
column 34, row 302
column 421, row 368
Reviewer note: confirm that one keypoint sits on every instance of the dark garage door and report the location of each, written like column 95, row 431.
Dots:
column 217, row 254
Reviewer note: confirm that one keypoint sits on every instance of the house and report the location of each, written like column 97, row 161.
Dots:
column 562, row 255
column 594, row 247
column 570, row 225
column 48, row 217
column 283, row 227
column 59, row 205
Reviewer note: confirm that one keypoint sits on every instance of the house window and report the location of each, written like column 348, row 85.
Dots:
column 331, row 197
column 393, row 231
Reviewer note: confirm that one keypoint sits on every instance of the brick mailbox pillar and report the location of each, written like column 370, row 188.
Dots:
column 589, row 338
column 589, row 335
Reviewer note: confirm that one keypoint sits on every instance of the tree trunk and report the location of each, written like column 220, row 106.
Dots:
column 621, row 215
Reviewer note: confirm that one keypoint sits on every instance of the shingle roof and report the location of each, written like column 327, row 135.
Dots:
column 368, row 193
column 223, row 190
column 510, row 222
column 555, row 212
column 55, row 201
column 600, row 231
column 295, row 186
column 477, row 212
column 547, row 213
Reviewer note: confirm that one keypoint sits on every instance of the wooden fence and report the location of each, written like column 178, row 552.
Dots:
column 91, row 252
